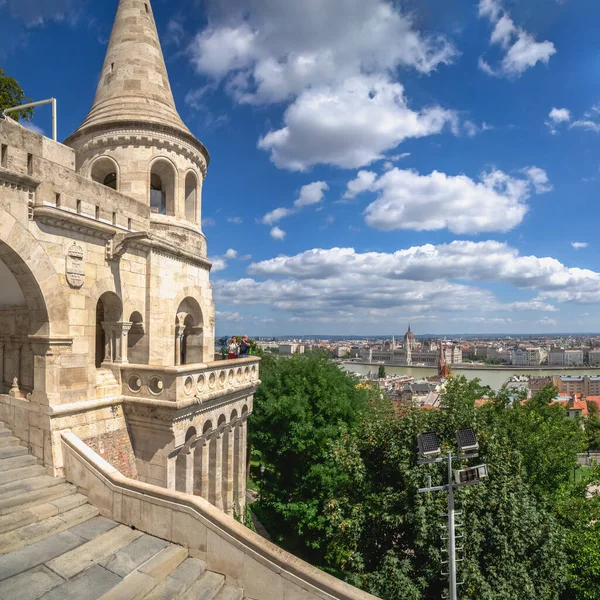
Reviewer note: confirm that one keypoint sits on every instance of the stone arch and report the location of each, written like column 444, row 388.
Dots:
column 105, row 170
column 109, row 309
column 28, row 262
column 189, row 328
column 163, row 186
column 191, row 197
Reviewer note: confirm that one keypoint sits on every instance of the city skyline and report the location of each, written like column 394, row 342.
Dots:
column 441, row 168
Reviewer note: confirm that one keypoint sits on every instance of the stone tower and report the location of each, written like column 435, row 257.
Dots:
column 106, row 310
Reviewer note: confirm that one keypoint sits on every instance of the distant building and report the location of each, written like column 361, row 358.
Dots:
column 565, row 358
column 289, row 349
column 594, row 357
column 528, row 357
column 579, row 384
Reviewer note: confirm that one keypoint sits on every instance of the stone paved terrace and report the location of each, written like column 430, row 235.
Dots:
column 55, row 546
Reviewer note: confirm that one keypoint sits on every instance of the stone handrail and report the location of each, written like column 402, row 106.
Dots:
column 262, row 569
column 196, row 382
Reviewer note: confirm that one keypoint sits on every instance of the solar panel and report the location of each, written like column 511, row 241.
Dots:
column 466, row 440
column 428, row 443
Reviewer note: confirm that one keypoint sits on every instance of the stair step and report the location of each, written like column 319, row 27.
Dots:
column 35, row 532
column 18, row 503
column 87, row 585
column 40, row 512
column 22, row 473
column 206, row 587
column 8, row 441
column 72, row 563
column 9, row 464
column 12, row 451
column 5, row 432
column 178, row 581
column 29, row 585
column 228, row 592
column 128, row 559
column 16, row 488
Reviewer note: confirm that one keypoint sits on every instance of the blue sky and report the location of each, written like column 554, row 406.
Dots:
column 373, row 163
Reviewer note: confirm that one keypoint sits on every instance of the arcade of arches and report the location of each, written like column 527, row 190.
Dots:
column 212, row 464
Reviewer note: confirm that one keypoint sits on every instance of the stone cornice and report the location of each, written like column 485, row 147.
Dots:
column 90, row 226
column 23, row 183
column 128, row 133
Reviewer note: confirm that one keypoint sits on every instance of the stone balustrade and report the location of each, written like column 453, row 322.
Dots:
column 194, row 383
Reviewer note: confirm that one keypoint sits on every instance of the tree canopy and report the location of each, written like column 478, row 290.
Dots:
column 342, row 479
column 12, row 95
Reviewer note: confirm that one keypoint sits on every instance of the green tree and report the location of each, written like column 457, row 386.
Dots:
column 12, row 95
column 304, row 403
column 381, row 372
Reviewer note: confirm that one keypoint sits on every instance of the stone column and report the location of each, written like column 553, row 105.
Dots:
column 108, row 342
column 121, row 331
column 172, row 470
column 201, row 467
column 242, row 475
column 228, row 469
column 239, row 468
column 189, row 470
column 216, row 470
column 178, row 331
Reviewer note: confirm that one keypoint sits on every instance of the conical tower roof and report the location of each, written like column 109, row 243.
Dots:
column 134, row 84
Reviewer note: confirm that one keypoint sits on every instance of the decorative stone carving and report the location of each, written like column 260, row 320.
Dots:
column 75, row 267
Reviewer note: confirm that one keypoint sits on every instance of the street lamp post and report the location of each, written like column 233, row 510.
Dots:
column 429, row 449
column 262, row 476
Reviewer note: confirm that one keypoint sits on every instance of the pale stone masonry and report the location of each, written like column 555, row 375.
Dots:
column 106, row 310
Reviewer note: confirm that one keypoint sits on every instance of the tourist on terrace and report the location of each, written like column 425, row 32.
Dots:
column 245, row 347
column 233, row 348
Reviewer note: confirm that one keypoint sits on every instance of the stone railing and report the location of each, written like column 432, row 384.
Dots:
column 194, row 383
column 263, row 570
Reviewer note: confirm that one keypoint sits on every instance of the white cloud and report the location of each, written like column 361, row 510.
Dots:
column 472, row 129
column 37, row 14
column 229, row 316
column 231, row 254
column 521, row 49
column 349, row 286
column 235, row 220
column 218, row 264
column 539, row 179
column 208, row 222
column 349, row 125
column 550, row 322
column 578, row 245
column 269, row 51
column 560, row 115
column 311, row 194
column 276, row 215
column 587, row 124
column 408, row 200
column 363, row 182
column 277, row 233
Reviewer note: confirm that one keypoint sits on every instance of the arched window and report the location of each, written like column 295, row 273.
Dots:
column 105, row 171
column 189, row 339
column 162, row 188
column 191, row 207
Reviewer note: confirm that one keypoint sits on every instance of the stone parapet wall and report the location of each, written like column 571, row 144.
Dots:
column 263, row 570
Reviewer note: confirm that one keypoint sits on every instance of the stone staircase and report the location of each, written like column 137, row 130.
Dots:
column 55, row 546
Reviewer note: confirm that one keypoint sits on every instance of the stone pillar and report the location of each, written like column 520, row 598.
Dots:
column 172, row 470
column 1, row 366
column 216, row 469
column 178, row 331
column 108, row 342
column 228, row 469
column 242, row 475
column 189, row 470
column 47, row 354
column 239, row 468
column 121, row 332
column 201, row 467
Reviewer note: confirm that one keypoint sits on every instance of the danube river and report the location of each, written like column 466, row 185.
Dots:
column 492, row 377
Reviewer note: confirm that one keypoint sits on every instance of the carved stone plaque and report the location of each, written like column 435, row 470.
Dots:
column 75, row 267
